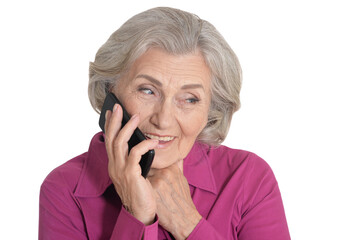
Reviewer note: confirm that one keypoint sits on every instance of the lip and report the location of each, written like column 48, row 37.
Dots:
column 162, row 144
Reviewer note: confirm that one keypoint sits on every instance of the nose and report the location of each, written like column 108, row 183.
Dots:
column 163, row 114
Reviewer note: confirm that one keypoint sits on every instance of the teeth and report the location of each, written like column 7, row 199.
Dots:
column 165, row 139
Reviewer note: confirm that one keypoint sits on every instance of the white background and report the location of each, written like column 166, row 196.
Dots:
column 300, row 99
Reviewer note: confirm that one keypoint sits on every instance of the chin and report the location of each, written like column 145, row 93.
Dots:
column 162, row 161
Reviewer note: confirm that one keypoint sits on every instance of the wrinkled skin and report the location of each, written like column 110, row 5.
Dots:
column 168, row 97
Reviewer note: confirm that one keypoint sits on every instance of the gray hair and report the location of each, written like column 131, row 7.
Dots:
column 177, row 32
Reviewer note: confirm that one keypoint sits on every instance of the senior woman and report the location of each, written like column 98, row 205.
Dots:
column 180, row 81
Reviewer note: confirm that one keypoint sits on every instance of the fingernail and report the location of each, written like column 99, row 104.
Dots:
column 116, row 106
column 134, row 116
column 154, row 141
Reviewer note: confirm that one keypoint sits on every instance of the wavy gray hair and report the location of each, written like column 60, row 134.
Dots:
column 177, row 32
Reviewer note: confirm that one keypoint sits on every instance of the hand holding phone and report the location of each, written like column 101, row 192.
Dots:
column 137, row 136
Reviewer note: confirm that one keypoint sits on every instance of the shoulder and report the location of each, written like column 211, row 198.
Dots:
column 65, row 176
column 59, row 210
column 242, row 170
column 250, row 171
column 236, row 159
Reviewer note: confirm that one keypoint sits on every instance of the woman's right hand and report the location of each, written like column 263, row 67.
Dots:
column 135, row 192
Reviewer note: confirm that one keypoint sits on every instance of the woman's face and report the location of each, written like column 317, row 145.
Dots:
column 171, row 94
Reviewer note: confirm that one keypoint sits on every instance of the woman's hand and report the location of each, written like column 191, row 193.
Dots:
column 135, row 192
column 175, row 208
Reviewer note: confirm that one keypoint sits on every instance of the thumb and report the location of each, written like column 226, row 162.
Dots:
column 180, row 164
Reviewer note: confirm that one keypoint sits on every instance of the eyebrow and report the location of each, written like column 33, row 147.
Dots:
column 151, row 79
column 157, row 82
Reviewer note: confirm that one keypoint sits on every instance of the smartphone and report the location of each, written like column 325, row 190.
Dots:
column 137, row 137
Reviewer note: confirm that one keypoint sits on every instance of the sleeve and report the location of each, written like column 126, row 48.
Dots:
column 204, row 230
column 263, row 215
column 128, row 227
column 60, row 217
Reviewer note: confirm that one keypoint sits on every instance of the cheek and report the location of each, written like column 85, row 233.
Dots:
column 134, row 105
column 192, row 125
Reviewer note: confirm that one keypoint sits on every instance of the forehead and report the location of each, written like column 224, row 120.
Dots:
column 172, row 69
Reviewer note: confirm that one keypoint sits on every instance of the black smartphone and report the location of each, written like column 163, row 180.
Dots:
column 137, row 137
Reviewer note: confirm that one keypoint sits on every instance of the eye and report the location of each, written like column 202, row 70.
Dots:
column 146, row 91
column 192, row 100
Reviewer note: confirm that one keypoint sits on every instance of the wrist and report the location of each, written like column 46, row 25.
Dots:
column 186, row 231
column 147, row 220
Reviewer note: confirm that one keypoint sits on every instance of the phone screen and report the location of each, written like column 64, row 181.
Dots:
column 137, row 137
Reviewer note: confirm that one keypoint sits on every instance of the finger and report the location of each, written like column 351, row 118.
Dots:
column 176, row 168
column 140, row 149
column 152, row 172
column 120, row 143
column 107, row 116
column 113, row 125
column 128, row 129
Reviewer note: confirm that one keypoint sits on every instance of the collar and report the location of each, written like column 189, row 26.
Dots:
column 197, row 168
column 94, row 178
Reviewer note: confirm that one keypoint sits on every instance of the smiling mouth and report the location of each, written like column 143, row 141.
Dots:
column 162, row 139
